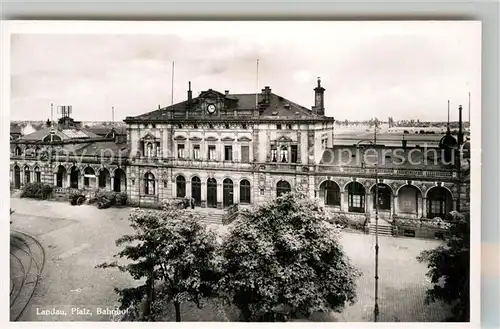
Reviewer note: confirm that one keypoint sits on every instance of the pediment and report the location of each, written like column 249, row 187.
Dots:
column 211, row 139
column 227, row 139
column 180, row 138
column 244, row 139
column 283, row 139
column 211, row 93
column 148, row 136
column 195, row 139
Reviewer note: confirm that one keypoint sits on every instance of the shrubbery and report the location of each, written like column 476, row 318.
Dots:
column 77, row 198
column 37, row 191
column 106, row 199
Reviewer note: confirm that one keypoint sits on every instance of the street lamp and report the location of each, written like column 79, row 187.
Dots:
column 374, row 142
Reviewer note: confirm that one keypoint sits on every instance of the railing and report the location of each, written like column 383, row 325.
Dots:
column 73, row 158
column 388, row 171
column 211, row 164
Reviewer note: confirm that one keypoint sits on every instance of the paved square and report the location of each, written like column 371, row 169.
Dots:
column 76, row 238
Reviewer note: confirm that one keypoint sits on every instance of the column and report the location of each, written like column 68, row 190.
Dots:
column 82, row 180
column 55, row 179
column 204, row 193
column 299, row 143
column 236, row 193
column 68, row 181
column 369, row 197
column 454, row 205
column 395, row 205
column 188, row 189
column 113, row 183
column 343, row 206
column 424, row 207
column 219, row 194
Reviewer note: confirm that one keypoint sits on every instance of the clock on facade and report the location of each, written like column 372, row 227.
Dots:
column 211, row 108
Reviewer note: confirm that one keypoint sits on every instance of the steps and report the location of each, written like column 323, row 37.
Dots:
column 211, row 216
column 384, row 228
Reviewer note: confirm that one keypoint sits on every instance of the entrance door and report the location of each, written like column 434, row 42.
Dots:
column 17, row 177
column 228, row 192
column 196, row 190
column 117, row 183
column 211, row 193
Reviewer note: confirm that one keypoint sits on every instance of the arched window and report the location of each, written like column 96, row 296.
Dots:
column 88, row 173
column 356, row 197
column 104, row 177
column 27, row 177
column 244, row 191
column 149, row 184
column 37, row 151
column 329, row 191
column 227, row 195
column 17, row 177
column 282, row 187
column 74, row 176
column 439, row 202
column 180, row 181
column 18, row 151
column 384, row 195
column 38, row 175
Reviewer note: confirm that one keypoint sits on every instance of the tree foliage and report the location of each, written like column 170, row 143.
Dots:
column 449, row 269
column 175, row 253
column 284, row 258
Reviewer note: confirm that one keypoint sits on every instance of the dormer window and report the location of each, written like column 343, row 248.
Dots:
column 226, row 126
column 289, row 126
column 195, row 126
column 211, row 126
column 244, row 126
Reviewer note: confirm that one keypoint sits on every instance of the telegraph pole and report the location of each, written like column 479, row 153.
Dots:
column 375, row 310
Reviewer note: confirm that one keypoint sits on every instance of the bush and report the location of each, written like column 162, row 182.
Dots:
column 37, row 191
column 105, row 199
column 121, row 198
column 77, row 198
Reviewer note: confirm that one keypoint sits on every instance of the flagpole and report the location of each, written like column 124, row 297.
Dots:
column 257, row 87
column 172, row 95
column 469, row 110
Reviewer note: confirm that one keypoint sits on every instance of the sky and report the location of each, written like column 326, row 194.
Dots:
column 407, row 70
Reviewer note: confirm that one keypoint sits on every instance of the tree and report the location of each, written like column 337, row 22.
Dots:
column 177, row 256
column 284, row 258
column 449, row 267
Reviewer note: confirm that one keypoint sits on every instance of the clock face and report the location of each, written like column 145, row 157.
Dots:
column 211, row 108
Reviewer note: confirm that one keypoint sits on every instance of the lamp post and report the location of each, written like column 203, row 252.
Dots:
column 374, row 143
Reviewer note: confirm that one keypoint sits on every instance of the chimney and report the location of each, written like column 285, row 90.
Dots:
column 319, row 99
column 190, row 94
column 266, row 93
column 460, row 131
column 404, row 142
column 226, row 92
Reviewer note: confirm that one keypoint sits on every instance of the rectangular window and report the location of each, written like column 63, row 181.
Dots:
column 278, row 126
column 274, row 155
column 180, row 151
column 245, row 153
column 196, row 152
column 86, row 181
column 228, row 153
column 294, row 151
column 38, row 177
column 211, row 152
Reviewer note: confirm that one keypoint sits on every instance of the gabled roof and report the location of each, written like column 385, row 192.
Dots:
column 64, row 134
